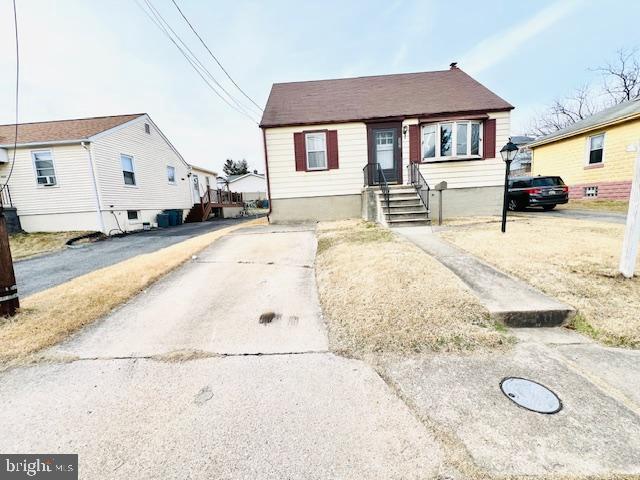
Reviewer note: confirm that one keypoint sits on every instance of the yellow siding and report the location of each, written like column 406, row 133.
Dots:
column 569, row 157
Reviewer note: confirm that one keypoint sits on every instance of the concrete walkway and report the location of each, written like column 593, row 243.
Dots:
column 507, row 299
column 595, row 435
column 187, row 381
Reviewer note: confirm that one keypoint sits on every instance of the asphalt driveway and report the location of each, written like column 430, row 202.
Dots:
column 51, row 269
column 591, row 215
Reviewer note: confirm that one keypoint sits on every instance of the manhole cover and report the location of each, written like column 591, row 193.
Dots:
column 530, row 395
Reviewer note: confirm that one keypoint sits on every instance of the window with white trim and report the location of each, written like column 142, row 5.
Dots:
column 591, row 192
column 128, row 171
column 132, row 214
column 171, row 174
column 316, row 144
column 45, row 170
column 450, row 140
column 596, row 149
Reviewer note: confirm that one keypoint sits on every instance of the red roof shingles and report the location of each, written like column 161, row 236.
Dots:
column 61, row 130
column 361, row 98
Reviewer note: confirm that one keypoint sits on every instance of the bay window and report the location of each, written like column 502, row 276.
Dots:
column 451, row 140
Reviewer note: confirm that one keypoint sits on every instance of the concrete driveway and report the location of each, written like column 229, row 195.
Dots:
column 591, row 215
column 188, row 381
column 51, row 269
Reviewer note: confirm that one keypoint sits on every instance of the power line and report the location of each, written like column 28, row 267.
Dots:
column 160, row 18
column 214, row 57
column 198, row 67
column 15, row 138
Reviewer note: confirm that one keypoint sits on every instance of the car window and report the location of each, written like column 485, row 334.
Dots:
column 520, row 184
column 547, row 182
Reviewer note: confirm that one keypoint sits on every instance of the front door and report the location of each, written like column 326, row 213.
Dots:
column 196, row 188
column 385, row 150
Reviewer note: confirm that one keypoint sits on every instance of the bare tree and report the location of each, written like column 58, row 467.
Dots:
column 621, row 79
column 620, row 83
column 566, row 111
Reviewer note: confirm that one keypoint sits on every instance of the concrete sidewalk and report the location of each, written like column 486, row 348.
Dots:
column 508, row 299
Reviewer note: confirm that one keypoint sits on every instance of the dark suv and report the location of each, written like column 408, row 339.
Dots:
column 545, row 192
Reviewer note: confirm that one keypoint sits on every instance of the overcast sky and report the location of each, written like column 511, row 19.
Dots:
column 83, row 58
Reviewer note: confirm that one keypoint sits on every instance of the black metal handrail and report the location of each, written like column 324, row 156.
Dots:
column 374, row 175
column 5, row 197
column 419, row 183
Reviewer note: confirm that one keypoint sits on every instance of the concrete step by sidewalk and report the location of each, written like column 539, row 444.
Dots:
column 508, row 299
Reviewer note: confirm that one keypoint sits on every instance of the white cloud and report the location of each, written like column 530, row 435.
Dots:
column 496, row 48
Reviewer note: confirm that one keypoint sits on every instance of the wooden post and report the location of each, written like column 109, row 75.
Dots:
column 632, row 229
column 8, row 291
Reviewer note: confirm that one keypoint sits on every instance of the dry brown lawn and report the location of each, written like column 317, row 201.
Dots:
column 381, row 294
column 50, row 316
column 601, row 205
column 573, row 260
column 28, row 244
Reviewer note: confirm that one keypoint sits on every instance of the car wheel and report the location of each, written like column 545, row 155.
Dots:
column 513, row 205
column 548, row 207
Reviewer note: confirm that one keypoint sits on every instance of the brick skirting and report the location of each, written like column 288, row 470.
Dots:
column 606, row 190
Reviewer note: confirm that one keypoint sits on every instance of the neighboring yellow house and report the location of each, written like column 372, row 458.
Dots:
column 595, row 156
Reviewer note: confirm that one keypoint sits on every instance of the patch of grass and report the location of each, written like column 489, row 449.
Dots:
column 575, row 261
column 50, row 316
column 620, row 206
column 25, row 245
column 381, row 294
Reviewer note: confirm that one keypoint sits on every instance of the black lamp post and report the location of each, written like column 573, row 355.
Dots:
column 508, row 153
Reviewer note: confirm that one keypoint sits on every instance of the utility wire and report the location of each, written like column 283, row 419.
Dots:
column 161, row 19
column 213, row 56
column 157, row 19
column 15, row 138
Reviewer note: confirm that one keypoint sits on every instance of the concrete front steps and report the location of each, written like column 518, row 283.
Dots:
column 405, row 207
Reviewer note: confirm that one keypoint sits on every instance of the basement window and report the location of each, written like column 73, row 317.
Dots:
column 132, row 214
column 591, row 192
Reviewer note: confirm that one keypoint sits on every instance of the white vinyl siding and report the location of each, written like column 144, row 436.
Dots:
column 151, row 155
column 286, row 182
column 73, row 192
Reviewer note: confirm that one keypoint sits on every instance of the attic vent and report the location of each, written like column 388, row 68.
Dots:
column 147, row 128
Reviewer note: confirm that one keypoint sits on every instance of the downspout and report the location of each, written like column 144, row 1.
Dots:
column 266, row 167
column 87, row 147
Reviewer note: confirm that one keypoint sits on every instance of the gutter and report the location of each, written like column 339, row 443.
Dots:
column 574, row 133
column 45, row 143
column 96, row 192
column 266, row 167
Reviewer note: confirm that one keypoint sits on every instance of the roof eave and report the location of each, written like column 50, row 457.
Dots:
column 45, row 143
column 597, row 126
column 387, row 118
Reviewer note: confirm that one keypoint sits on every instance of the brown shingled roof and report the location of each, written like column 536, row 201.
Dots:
column 361, row 98
column 61, row 130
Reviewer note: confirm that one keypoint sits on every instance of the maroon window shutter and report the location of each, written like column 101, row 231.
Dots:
column 332, row 149
column 300, row 151
column 489, row 140
column 414, row 143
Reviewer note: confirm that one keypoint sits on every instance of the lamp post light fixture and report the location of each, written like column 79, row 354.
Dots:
column 508, row 153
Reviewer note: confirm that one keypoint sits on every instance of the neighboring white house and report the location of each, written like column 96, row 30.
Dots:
column 330, row 143
column 104, row 173
column 253, row 186
column 201, row 179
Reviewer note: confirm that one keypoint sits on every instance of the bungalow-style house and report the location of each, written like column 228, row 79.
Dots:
column 376, row 146
column 593, row 156
column 107, row 174
column 252, row 185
